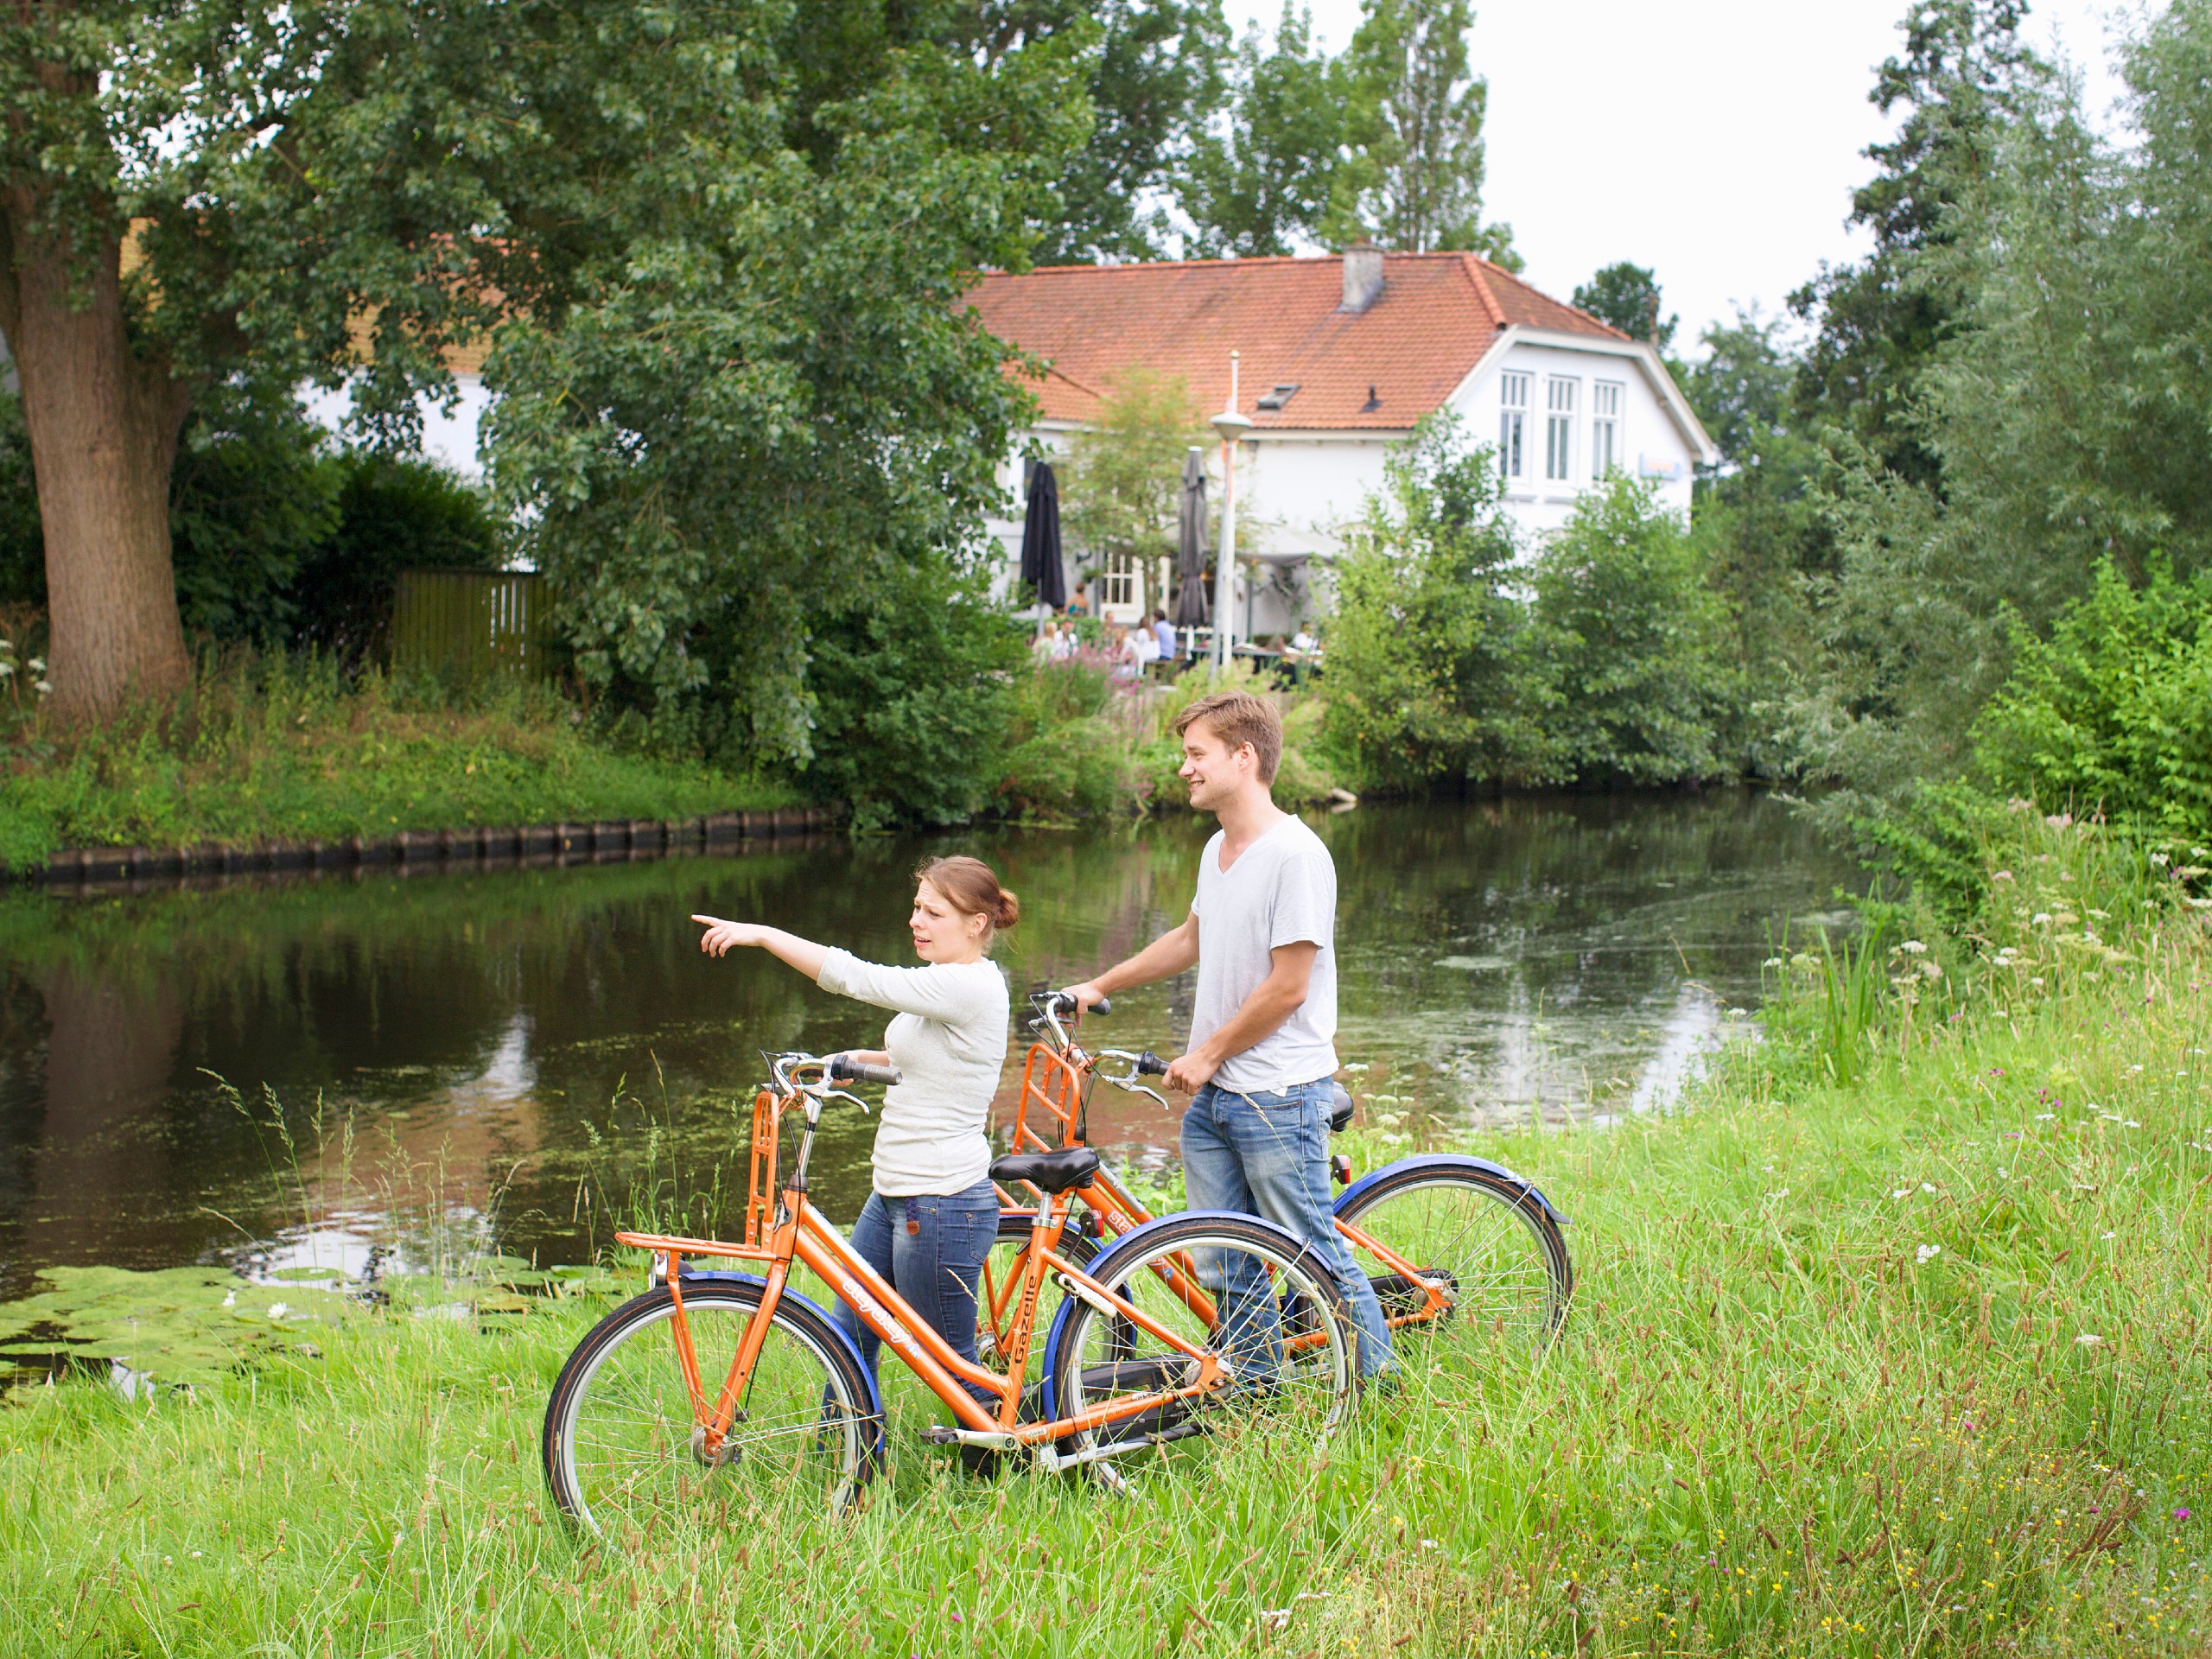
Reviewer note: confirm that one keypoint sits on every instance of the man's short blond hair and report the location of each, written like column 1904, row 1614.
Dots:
column 1238, row 718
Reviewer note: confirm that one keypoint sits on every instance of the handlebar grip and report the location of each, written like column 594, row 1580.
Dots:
column 1064, row 1003
column 1104, row 1005
column 1149, row 1065
column 845, row 1070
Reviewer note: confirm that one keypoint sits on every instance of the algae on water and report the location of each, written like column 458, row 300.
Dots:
column 176, row 1325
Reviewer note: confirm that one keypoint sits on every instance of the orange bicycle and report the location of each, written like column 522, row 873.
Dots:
column 1461, row 1251
column 721, row 1391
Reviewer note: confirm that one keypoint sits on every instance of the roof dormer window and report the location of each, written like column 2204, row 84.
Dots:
column 1284, row 391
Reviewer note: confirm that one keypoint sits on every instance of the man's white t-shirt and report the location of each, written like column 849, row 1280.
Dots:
column 1281, row 890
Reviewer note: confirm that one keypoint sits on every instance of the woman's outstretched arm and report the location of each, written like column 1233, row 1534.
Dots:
column 803, row 954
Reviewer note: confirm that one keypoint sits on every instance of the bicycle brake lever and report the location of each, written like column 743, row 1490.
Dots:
column 840, row 1094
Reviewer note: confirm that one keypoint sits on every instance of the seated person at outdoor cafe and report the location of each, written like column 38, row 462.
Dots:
column 1303, row 647
column 1163, row 633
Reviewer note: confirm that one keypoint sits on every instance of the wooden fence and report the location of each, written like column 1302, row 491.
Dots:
column 466, row 624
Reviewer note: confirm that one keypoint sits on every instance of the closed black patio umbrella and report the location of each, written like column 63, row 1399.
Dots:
column 1041, row 571
column 1191, row 609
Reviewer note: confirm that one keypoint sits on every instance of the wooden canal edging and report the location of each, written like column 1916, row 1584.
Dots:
column 607, row 842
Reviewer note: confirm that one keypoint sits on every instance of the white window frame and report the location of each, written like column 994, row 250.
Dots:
column 1608, row 399
column 1561, row 392
column 1513, row 422
column 1122, row 584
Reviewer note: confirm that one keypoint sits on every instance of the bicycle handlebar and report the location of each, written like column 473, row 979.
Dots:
column 842, row 1070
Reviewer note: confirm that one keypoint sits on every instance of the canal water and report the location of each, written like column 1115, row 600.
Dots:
column 278, row 1075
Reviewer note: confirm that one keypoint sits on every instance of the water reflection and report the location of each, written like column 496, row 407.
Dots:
column 527, row 1048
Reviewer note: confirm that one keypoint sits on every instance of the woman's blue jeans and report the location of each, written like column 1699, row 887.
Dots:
column 931, row 1249
column 1266, row 1153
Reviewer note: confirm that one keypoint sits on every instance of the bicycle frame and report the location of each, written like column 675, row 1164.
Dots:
column 1057, row 1079
column 796, row 1232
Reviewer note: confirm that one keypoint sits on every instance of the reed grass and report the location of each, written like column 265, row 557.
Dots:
column 1904, row 1357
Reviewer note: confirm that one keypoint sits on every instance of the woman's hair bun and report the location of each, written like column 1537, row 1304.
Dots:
column 971, row 887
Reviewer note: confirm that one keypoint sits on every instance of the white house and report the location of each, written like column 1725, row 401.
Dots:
column 1338, row 357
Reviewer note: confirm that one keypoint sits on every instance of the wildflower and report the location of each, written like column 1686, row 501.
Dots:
column 7, row 671
column 38, row 664
column 1900, row 1193
column 2111, row 1235
column 1928, row 1253
column 2057, row 820
column 278, row 1310
column 1925, row 1187
column 2045, row 1117
column 1913, row 948
column 2182, row 1514
column 44, row 688
column 1772, row 961
column 2037, row 981
column 2000, row 875
column 2159, row 859
column 1933, row 970
column 2089, row 1339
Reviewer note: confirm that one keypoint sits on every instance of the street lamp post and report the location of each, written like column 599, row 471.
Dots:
column 1230, row 426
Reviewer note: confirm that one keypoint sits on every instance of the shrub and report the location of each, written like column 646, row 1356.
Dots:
column 1432, row 667
column 1070, row 759
column 914, row 702
column 394, row 513
column 2114, row 712
column 1630, row 634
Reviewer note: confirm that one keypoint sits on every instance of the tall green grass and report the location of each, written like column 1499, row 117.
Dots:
column 287, row 747
column 1903, row 1356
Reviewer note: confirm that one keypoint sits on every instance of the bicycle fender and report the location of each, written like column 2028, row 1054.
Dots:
column 1130, row 1240
column 1447, row 1161
column 732, row 1277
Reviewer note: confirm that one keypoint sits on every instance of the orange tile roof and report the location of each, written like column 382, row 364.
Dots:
column 1437, row 314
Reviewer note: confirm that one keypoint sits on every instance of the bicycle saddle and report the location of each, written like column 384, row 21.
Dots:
column 1048, row 1172
column 1340, row 1109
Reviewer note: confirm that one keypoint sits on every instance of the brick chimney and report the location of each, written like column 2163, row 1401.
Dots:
column 1363, row 276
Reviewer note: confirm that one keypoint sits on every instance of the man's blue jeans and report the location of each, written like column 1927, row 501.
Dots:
column 932, row 1250
column 1266, row 1153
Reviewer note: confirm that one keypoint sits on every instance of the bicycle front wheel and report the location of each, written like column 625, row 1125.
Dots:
column 1491, row 1273
column 626, row 1459
column 1243, row 1289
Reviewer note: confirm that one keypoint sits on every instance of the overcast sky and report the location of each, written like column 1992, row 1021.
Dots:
column 1717, row 141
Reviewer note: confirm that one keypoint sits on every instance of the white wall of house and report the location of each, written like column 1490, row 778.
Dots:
column 447, row 439
column 1585, row 405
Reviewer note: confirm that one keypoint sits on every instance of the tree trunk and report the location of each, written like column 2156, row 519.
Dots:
column 103, row 421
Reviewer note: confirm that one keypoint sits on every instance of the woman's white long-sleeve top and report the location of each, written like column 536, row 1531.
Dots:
column 949, row 1043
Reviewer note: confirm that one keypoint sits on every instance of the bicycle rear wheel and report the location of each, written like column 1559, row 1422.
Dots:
column 1482, row 1239
column 626, row 1458
column 1240, row 1287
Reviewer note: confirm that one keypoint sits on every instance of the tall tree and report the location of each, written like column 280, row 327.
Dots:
column 1263, row 180
column 340, row 190
column 1628, row 296
column 1958, row 81
column 772, row 409
column 1416, row 116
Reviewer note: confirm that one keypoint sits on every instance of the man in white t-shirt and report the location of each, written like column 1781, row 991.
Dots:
column 1263, row 1050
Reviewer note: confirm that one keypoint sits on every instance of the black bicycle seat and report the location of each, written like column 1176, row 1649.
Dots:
column 1048, row 1172
column 1340, row 1109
